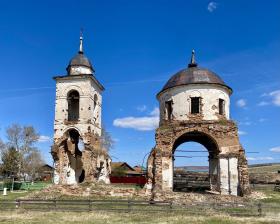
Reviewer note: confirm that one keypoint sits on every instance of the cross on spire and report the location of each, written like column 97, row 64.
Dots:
column 192, row 63
column 81, row 42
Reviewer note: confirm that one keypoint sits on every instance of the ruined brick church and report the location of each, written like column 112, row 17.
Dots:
column 77, row 151
column 195, row 106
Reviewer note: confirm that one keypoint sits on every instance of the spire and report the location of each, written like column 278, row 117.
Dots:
column 81, row 42
column 192, row 63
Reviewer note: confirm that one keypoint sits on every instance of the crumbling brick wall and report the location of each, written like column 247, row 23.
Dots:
column 243, row 173
column 92, row 161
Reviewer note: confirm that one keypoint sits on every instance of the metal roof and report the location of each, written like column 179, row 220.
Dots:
column 80, row 60
column 194, row 75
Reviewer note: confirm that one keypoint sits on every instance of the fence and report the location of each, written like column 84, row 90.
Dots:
column 235, row 209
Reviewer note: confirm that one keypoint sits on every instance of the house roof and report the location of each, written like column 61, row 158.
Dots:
column 47, row 166
column 115, row 165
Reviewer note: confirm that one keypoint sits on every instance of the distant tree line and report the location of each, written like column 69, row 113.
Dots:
column 19, row 156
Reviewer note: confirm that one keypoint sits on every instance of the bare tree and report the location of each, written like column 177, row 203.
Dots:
column 33, row 162
column 2, row 150
column 22, row 139
column 30, row 136
column 14, row 137
column 107, row 141
column 2, row 145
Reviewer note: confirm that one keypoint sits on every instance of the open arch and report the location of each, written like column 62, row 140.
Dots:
column 75, row 172
column 73, row 99
column 191, row 178
column 200, row 137
column 73, row 87
column 72, row 127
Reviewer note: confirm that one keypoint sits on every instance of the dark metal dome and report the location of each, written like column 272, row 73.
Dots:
column 194, row 75
column 80, row 60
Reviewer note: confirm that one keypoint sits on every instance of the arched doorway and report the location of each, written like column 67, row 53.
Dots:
column 75, row 171
column 203, row 149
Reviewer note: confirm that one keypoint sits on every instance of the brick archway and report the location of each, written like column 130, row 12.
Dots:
column 212, row 147
column 193, row 135
column 220, row 137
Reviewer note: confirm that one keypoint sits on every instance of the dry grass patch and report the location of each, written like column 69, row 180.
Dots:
column 21, row 217
column 264, row 169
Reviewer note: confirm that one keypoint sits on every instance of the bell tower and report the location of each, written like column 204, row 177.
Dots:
column 78, row 97
column 77, row 124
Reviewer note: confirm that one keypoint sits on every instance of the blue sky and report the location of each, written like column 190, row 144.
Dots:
column 135, row 46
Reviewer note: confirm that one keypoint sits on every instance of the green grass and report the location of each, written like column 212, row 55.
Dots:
column 24, row 185
column 14, row 195
column 271, row 195
column 35, row 185
column 26, row 189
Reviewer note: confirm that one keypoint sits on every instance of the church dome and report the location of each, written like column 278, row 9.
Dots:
column 80, row 60
column 80, row 64
column 194, row 75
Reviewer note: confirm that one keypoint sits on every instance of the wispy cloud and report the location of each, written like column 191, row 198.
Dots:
column 263, row 103
column 241, row 103
column 212, row 6
column 116, row 139
column 275, row 149
column 155, row 112
column 27, row 89
column 261, row 75
column 262, row 120
column 145, row 123
column 260, row 158
column 275, row 97
column 134, row 82
column 246, row 123
column 142, row 108
column 242, row 133
column 272, row 98
column 137, row 123
column 44, row 138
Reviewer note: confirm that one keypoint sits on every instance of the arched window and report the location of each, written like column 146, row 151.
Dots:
column 195, row 102
column 168, row 109
column 221, row 107
column 195, row 105
column 73, row 99
column 95, row 99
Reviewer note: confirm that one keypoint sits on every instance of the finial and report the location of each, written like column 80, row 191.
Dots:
column 81, row 42
column 192, row 64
